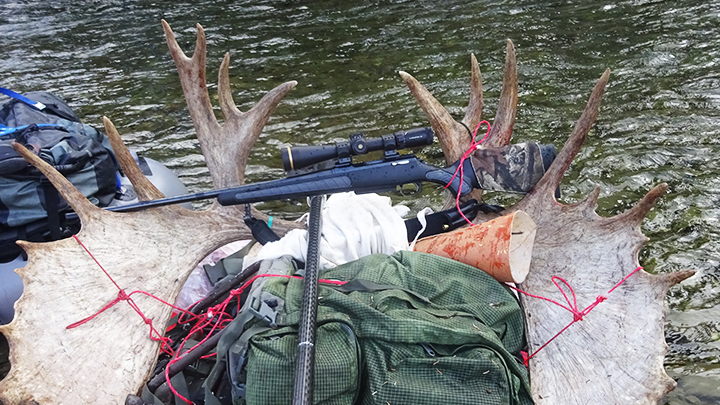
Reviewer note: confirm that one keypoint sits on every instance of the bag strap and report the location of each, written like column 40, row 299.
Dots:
column 52, row 207
column 5, row 131
column 369, row 286
column 17, row 96
column 261, row 231
column 36, row 104
column 232, row 335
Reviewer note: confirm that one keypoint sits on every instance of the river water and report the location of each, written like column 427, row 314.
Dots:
column 660, row 120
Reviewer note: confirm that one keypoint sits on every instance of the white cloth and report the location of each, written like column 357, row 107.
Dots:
column 353, row 226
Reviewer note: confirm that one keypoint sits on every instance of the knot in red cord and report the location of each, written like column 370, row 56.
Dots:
column 572, row 307
column 212, row 311
column 123, row 296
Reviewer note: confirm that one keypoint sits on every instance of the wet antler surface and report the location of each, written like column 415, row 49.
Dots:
column 154, row 250
column 615, row 355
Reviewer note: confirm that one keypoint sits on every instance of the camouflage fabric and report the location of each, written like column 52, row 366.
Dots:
column 513, row 168
column 77, row 150
column 411, row 328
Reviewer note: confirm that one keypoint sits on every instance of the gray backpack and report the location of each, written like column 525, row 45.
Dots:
column 30, row 207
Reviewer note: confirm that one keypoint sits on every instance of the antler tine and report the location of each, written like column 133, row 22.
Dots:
column 225, row 99
column 452, row 136
column 550, row 181
column 247, row 126
column 502, row 127
column 671, row 279
column 82, row 206
column 473, row 114
column 193, row 81
column 144, row 189
column 226, row 148
column 635, row 215
column 589, row 204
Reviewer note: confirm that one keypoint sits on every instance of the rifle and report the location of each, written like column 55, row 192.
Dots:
column 328, row 169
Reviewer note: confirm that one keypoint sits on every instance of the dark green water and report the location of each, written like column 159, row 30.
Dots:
column 660, row 120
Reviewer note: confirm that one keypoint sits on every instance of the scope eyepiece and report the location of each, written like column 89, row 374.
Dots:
column 299, row 157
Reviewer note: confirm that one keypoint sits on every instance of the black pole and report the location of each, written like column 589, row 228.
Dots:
column 305, row 365
column 223, row 287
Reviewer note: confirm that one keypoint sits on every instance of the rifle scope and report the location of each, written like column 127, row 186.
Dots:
column 298, row 157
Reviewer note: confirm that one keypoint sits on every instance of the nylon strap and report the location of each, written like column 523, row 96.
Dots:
column 52, row 207
column 4, row 131
column 149, row 397
column 369, row 286
column 232, row 335
column 36, row 104
column 180, row 384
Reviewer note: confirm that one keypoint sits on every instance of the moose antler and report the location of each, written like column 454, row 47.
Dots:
column 454, row 136
column 153, row 251
column 615, row 355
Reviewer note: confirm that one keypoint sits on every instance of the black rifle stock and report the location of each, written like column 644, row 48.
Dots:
column 377, row 176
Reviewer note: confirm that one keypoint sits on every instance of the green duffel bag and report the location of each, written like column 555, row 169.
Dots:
column 410, row 328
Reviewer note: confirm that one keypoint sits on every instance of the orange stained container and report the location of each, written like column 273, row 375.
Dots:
column 501, row 247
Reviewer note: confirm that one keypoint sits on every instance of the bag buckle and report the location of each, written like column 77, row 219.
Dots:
column 266, row 311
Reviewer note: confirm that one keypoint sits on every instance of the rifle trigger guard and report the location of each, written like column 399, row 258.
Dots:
column 405, row 193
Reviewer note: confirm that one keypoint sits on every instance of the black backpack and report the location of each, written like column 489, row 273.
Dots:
column 30, row 207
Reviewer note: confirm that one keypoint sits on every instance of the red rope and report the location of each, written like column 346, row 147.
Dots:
column 220, row 308
column 473, row 147
column 123, row 296
column 571, row 306
column 217, row 313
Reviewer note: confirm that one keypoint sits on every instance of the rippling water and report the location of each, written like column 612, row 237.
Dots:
column 659, row 122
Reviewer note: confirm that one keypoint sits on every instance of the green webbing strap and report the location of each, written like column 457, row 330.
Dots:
column 230, row 265
column 149, row 397
column 369, row 286
column 233, row 263
column 178, row 382
column 232, row 334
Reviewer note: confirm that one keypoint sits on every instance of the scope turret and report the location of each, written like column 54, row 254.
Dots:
column 298, row 157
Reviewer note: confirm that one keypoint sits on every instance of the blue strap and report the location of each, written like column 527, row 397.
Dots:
column 40, row 106
column 11, row 130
